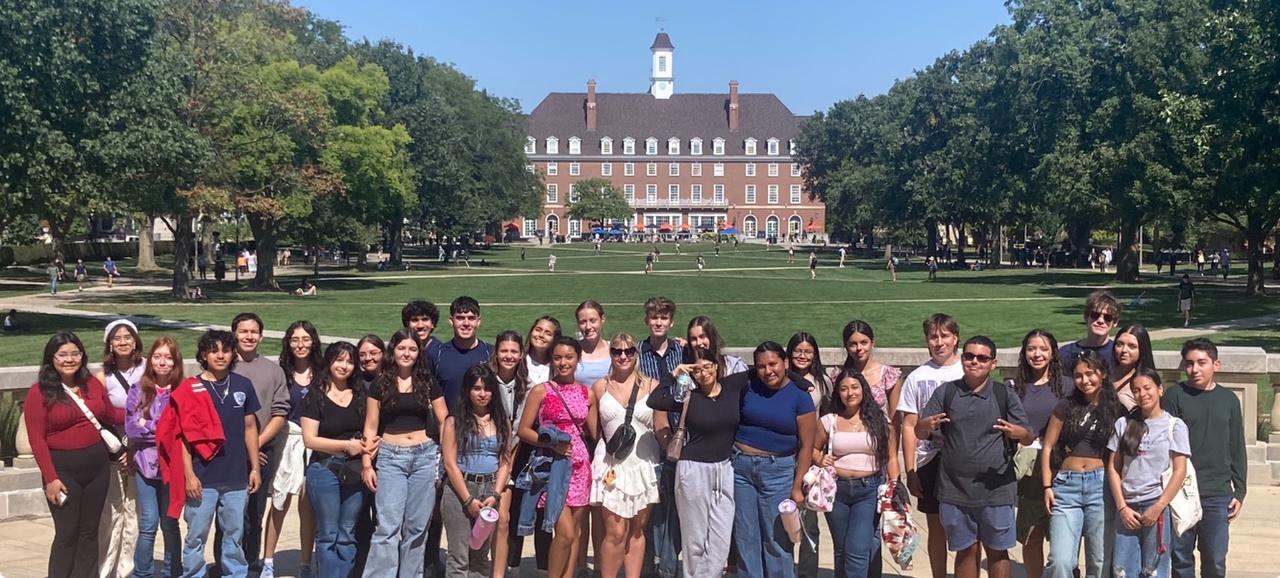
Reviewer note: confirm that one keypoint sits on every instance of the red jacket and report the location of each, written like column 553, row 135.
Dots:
column 191, row 419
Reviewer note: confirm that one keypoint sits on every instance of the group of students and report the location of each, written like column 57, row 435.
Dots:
column 669, row 456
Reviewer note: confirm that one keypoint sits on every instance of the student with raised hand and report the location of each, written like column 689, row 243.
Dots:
column 1075, row 491
column 1132, row 356
column 147, row 401
column 402, row 457
column 332, row 425
column 857, row 433
column 773, row 448
column 702, row 334
column 477, row 461
column 73, row 459
column 1145, row 443
column 1040, row 384
column 1101, row 314
column 804, row 360
column 122, row 366
column 941, row 333
column 976, row 485
column 1215, row 427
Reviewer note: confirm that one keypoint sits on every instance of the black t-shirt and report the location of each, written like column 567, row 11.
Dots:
column 336, row 422
column 1078, row 438
column 405, row 413
column 712, row 423
column 1186, row 290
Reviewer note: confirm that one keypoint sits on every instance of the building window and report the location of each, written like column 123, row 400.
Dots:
column 718, row 170
column 773, row 147
column 651, row 169
column 530, row 225
column 773, row 169
column 695, row 146
column 553, row 193
column 606, row 169
column 530, row 146
column 751, row 146
column 573, row 193
column 773, row 194
column 575, row 227
column 793, row 225
column 575, row 146
column 751, row 169
column 530, row 168
column 795, row 169
column 749, row 226
column 553, row 145
column 662, row 64
column 695, row 169
column 673, row 193
column 673, row 169
column 606, row 146
column 717, row 147
column 651, row 194
column 751, row 194
column 628, row 146
column 673, row 146
column 575, row 169
column 717, row 194
column 795, row 194
column 629, row 191
column 553, row 225
column 695, row 194
column 629, row 169
column 651, row 146
column 791, row 147
column 771, row 226
column 553, row 169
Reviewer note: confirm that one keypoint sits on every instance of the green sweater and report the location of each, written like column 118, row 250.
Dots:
column 1215, row 427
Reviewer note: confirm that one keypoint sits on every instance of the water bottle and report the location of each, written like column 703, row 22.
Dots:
column 684, row 384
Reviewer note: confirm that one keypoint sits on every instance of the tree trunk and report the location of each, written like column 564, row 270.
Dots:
column 146, row 244
column 1275, row 256
column 264, row 233
column 394, row 227
column 183, row 240
column 962, row 241
column 931, row 233
column 315, row 270
column 1127, row 261
column 1255, row 236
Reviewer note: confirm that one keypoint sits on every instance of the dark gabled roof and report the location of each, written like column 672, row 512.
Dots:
column 662, row 41
column 684, row 116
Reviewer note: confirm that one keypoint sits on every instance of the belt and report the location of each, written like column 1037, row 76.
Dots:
column 479, row 478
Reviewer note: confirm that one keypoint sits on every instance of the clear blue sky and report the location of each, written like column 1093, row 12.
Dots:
column 811, row 54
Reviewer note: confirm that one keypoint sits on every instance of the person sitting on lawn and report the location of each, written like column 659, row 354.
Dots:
column 308, row 289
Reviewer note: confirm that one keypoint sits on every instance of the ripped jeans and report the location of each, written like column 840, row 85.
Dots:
column 1137, row 552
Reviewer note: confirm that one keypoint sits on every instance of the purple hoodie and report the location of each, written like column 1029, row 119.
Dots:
column 142, row 430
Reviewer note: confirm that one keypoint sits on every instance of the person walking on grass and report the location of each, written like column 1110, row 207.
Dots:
column 892, row 266
column 1186, row 298
column 52, row 271
column 82, row 273
column 813, row 265
column 112, row 272
column 551, row 262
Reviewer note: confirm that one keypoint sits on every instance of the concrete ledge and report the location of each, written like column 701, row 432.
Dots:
column 23, row 504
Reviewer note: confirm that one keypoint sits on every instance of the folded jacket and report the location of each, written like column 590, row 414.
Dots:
column 548, row 473
column 191, row 419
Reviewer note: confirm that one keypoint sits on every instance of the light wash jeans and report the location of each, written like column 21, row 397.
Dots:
column 760, row 483
column 337, row 509
column 1078, row 512
column 1137, row 552
column 405, row 498
column 228, row 506
column 153, row 500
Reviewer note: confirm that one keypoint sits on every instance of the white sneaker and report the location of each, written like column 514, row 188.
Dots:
column 268, row 570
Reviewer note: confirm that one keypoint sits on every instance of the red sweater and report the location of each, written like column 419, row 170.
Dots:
column 191, row 419
column 63, row 426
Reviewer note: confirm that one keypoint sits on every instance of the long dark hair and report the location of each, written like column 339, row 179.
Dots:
column 288, row 361
column 49, row 380
column 1027, row 376
column 522, row 370
column 528, row 339
column 467, row 428
column 109, row 357
column 375, row 341
column 853, row 327
column 1145, row 358
column 717, row 342
column 1136, row 426
column 324, row 379
column 872, row 416
column 1105, row 413
column 816, row 374
column 423, row 379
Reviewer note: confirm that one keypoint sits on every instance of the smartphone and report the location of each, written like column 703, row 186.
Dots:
column 62, row 497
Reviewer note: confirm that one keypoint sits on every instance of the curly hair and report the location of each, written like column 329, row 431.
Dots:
column 1105, row 409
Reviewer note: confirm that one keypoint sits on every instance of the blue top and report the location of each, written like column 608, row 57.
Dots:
column 768, row 420
column 1068, row 353
column 297, row 395
column 449, row 364
column 589, row 372
column 229, row 468
column 481, row 457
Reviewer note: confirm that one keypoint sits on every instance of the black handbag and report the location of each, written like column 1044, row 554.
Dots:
column 624, row 438
column 349, row 471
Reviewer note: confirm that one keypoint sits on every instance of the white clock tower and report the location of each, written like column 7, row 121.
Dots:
column 662, row 80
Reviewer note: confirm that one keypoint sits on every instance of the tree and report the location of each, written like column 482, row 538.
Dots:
column 598, row 202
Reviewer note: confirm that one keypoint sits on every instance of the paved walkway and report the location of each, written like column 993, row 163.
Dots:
column 25, row 545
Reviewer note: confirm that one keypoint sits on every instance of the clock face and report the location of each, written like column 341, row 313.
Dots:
column 662, row 85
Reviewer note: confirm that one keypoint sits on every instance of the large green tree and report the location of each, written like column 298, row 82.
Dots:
column 598, row 201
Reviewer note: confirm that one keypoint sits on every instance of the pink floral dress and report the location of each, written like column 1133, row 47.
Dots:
column 569, row 420
column 880, row 391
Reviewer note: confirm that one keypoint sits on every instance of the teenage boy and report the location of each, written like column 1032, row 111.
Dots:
column 422, row 317
column 1215, row 427
column 980, row 422
column 220, row 486
column 660, row 354
column 272, row 409
column 1101, row 314
column 941, row 333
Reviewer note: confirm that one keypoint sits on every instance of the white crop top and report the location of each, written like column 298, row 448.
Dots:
column 853, row 451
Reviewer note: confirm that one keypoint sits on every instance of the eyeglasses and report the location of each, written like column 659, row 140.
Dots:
column 966, row 356
column 69, row 356
column 1103, row 315
column 122, row 339
column 707, row 370
column 620, row 351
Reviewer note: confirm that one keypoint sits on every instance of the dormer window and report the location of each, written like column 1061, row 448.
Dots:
column 695, row 146
column 651, row 146
column 628, row 146
column 575, row 145
column 530, row 146
column 773, row 147
column 606, row 146
column 750, row 147
column 717, row 147
column 673, row 146
column 791, row 147
column 553, row 145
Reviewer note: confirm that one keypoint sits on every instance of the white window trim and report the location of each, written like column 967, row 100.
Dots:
column 651, row 169
column 628, row 146
column 531, row 146
column 573, row 193
column 797, row 195
column 553, row 145
column 717, row 147
column 717, row 193
column 673, row 169
column 673, row 193
column 695, row 169
column 575, row 146
column 553, row 168
column 629, row 191
column 773, row 194
column 651, row 193
column 673, row 146
column 651, row 146
column 749, row 148
column 773, row 169
column 606, row 169
column 773, row 147
column 553, row 193
column 749, row 194
column 695, row 147
column 606, row 146
column 629, row 169
column 795, row 169
column 718, row 170
column 695, row 193
column 750, row 169
column 575, row 168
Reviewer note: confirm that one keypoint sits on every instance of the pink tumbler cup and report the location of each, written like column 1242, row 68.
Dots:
column 483, row 527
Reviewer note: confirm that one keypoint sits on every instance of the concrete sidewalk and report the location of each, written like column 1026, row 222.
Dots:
column 25, row 545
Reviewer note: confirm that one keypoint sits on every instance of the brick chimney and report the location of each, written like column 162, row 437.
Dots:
column 591, row 105
column 733, row 106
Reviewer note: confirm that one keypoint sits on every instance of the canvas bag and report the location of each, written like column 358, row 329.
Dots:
column 114, row 447
column 1185, row 504
column 820, row 482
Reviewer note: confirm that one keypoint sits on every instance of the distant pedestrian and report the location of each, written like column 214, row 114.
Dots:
column 813, row 265
column 648, row 263
column 52, row 270
column 202, row 265
column 677, row 247
column 219, row 270
column 717, row 248
column 843, row 253
column 551, row 263
column 932, row 263
column 791, row 254
column 1200, row 262
column 522, row 250
column 82, row 273
column 1226, row 263
column 701, row 262
column 892, row 266
column 1186, row 298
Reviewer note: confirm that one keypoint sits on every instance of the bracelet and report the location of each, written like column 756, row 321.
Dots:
column 1049, row 487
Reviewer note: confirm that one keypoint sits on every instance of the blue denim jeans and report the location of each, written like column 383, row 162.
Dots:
column 337, row 509
column 405, row 498
column 153, row 500
column 663, row 538
column 855, row 523
column 228, row 507
column 1137, row 552
column 1212, row 536
column 760, row 483
column 1079, row 511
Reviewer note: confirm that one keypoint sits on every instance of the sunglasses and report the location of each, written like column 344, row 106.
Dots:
column 1103, row 315
column 966, row 356
column 620, row 352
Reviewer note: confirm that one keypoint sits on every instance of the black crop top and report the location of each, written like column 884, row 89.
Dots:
column 336, row 422
column 407, row 414
column 1080, row 439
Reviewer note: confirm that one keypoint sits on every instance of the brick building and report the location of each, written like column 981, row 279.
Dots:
column 686, row 162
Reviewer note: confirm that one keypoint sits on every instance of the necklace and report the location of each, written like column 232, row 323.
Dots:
column 225, row 384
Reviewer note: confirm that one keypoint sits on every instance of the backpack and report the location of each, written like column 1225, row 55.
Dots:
column 1002, row 400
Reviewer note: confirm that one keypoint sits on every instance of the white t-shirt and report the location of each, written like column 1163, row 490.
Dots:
column 916, row 391
column 118, row 392
column 538, row 372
